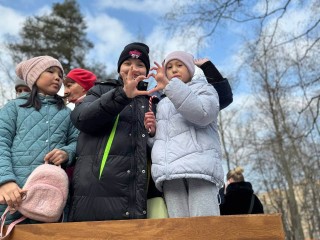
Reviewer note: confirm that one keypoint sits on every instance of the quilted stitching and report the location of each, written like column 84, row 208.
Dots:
column 27, row 135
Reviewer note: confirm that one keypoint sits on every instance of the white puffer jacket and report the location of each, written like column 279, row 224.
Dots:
column 186, row 144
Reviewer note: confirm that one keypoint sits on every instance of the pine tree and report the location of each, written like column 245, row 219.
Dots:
column 62, row 35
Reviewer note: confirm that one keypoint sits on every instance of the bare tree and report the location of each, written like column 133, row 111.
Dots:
column 285, row 131
column 235, row 136
column 215, row 15
column 280, row 133
column 7, row 77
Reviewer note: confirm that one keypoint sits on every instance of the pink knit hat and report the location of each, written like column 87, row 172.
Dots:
column 31, row 69
column 184, row 57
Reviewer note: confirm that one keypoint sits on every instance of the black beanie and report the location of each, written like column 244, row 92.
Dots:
column 135, row 50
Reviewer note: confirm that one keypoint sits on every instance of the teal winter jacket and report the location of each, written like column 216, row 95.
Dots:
column 27, row 135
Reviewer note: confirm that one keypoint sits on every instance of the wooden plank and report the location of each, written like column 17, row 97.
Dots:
column 264, row 226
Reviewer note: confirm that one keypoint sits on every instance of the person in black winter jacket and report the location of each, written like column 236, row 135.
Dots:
column 110, row 176
column 237, row 197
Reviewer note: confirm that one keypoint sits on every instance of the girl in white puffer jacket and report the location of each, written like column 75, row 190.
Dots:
column 186, row 155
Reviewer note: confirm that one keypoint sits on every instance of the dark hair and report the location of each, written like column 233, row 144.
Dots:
column 67, row 80
column 34, row 100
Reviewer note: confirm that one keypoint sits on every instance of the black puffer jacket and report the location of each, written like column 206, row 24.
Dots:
column 121, row 191
column 237, row 200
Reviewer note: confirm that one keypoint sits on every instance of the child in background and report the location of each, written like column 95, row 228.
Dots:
column 34, row 128
column 186, row 155
column 21, row 87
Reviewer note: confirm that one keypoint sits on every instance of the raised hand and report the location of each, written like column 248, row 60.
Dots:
column 198, row 62
column 131, row 83
column 160, row 77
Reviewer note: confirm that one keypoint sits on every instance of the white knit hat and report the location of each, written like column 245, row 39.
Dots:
column 31, row 69
column 184, row 57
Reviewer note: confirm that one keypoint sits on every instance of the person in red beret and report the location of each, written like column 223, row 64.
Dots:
column 77, row 83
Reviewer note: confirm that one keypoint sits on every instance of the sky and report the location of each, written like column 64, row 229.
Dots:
column 113, row 24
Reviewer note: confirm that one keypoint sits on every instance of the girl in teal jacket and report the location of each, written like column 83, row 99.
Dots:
column 34, row 128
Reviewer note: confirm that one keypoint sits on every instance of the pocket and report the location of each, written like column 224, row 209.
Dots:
column 83, row 174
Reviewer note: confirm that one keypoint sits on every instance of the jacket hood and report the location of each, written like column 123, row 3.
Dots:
column 240, row 186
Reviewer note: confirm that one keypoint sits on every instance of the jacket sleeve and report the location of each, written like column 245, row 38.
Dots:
column 8, row 117
column 200, row 107
column 71, row 144
column 100, row 107
column 221, row 84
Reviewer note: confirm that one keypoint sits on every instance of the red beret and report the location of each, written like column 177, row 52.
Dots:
column 83, row 77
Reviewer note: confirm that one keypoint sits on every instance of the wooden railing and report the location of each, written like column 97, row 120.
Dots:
column 224, row 227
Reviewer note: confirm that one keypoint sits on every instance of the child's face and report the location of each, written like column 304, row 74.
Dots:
column 138, row 67
column 22, row 89
column 73, row 91
column 176, row 68
column 50, row 81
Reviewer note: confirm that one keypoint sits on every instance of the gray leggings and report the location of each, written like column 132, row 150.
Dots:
column 191, row 197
